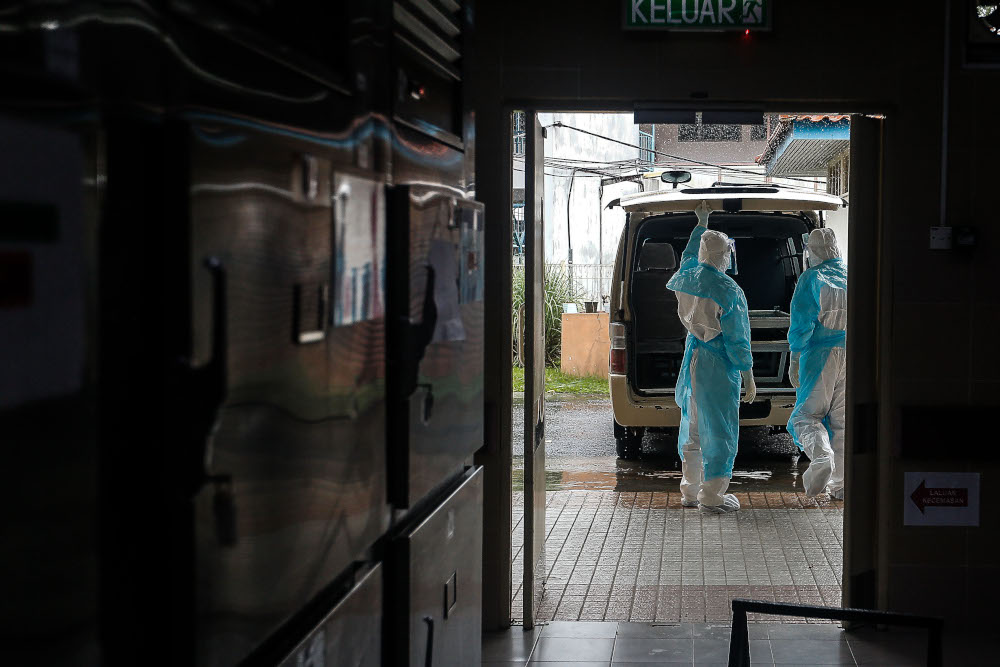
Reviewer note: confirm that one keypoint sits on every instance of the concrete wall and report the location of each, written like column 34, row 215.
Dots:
column 594, row 230
column 585, row 344
column 742, row 152
column 837, row 221
column 937, row 313
column 586, row 214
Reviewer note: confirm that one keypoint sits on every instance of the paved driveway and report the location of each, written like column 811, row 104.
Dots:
column 580, row 453
column 619, row 547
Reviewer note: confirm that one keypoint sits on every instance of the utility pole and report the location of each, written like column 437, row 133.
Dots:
column 569, row 235
column 600, row 226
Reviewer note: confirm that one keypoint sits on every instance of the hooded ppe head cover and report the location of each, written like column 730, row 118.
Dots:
column 821, row 246
column 715, row 250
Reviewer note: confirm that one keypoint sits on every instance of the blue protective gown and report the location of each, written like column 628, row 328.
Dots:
column 808, row 337
column 719, row 363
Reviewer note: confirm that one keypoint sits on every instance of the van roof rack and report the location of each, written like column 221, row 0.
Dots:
column 728, row 184
column 732, row 190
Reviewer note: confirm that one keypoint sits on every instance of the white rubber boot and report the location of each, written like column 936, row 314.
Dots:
column 817, row 476
column 692, row 471
column 729, row 504
column 714, row 499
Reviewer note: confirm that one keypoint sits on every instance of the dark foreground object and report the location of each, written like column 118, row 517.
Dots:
column 739, row 642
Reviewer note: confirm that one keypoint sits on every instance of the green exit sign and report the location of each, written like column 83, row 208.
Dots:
column 705, row 15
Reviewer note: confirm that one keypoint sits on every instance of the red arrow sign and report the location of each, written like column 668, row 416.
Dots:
column 928, row 496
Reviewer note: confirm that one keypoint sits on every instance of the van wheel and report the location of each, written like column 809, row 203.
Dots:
column 628, row 441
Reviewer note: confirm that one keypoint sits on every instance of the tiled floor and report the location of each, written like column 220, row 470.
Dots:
column 594, row 643
column 614, row 556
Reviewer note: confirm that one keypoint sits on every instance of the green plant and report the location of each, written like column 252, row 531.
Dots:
column 559, row 382
column 517, row 301
column 558, row 291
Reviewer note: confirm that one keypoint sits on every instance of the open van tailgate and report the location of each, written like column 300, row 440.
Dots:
column 740, row 199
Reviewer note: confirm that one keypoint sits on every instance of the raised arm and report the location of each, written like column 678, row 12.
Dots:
column 690, row 255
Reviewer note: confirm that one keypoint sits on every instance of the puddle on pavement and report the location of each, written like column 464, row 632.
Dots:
column 580, row 454
column 612, row 474
column 766, row 464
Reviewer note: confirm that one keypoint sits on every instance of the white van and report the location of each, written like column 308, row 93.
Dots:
column 647, row 339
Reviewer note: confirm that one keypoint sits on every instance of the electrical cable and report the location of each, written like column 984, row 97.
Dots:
column 622, row 172
column 674, row 157
column 606, row 174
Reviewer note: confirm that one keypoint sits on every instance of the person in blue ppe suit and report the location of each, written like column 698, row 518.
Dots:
column 713, row 309
column 817, row 339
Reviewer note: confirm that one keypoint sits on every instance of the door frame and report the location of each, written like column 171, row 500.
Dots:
column 868, row 397
column 533, row 548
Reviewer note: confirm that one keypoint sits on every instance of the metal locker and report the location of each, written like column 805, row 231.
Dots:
column 351, row 634
column 435, row 590
column 435, row 338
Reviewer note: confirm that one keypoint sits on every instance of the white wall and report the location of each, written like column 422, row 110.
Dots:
column 837, row 221
column 595, row 230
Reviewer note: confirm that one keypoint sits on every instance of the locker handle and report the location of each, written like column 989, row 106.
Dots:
column 418, row 337
column 201, row 391
column 450, row 594
column 429, row 656
column 423, row 333
column 300, row 312
column 219, row 326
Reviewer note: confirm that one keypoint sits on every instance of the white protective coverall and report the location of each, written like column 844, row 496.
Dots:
column 818, row 367
column 701, row 316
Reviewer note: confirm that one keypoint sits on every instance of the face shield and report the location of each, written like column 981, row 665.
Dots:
column 806, row 255
column 732, row 269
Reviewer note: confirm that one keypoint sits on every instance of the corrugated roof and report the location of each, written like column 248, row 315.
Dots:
column 833, row 118
column 785, row 125
column 806, row 157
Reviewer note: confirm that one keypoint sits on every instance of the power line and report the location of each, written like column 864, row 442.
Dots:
column 521, row 171
column 553, row 163
column 624, row 175
column 672, row 157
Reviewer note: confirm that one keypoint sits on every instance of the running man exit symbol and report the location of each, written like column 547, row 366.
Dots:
column 753, row 11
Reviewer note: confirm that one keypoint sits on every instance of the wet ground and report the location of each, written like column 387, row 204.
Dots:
column 580, row 453
column 619, row 546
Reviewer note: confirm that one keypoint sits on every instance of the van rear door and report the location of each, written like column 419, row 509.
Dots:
column 769, row 250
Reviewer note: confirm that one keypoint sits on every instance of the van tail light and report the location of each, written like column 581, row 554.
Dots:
column 617, row 361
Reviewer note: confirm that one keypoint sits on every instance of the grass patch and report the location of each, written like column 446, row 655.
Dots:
column 558, row 290
column 557, row 381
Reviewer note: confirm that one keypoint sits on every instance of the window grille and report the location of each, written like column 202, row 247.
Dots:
column 519, row 133
column 838, row 175
column 646, row 153
column 517, row 226
column 701, row 132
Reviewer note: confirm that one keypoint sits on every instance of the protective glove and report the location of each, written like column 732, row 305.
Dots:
column 749, row 385
column 702, row 212
column 793, row 369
